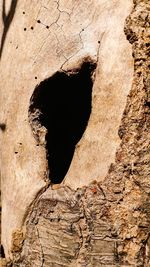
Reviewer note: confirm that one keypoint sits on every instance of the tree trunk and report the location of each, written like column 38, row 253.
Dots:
column 74, row 128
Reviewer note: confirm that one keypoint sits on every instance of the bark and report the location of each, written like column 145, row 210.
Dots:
column 99, row 214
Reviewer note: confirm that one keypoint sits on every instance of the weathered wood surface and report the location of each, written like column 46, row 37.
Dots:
column 105, row 223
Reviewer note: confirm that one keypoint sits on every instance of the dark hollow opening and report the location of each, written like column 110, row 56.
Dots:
column 2, row 253
column 64, row 102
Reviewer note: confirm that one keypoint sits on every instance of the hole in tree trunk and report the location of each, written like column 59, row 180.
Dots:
column 62, row 104
column 2, row 253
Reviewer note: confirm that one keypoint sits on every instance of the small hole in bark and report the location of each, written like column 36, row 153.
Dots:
column 32, row 28
column 47, row 27
column 38, row 21
column 25, row 29
column 3, row 126
column 2, row 253
column 23, row 13
column 147, row 103
column 62, row 104
column 35, row 78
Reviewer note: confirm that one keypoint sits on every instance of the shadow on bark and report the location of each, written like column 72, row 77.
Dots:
column 7, row 19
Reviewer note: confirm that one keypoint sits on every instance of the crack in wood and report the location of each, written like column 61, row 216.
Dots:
column 42, row 253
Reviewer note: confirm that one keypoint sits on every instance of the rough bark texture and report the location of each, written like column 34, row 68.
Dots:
column 105, row 223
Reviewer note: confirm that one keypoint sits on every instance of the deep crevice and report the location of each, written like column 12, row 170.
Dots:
column 2, row 253
column 62, row 104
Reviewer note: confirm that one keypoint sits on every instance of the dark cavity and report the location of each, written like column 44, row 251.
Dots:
column 63, row 105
